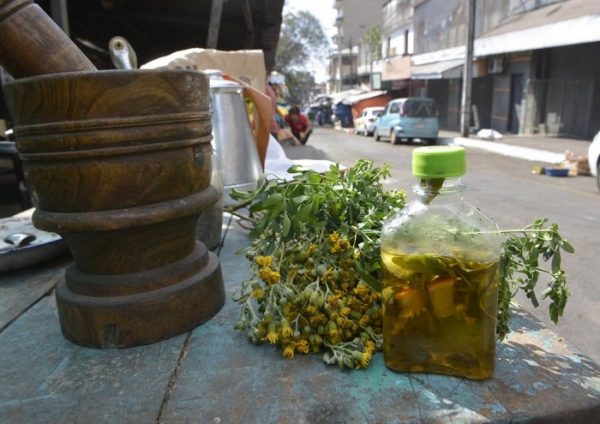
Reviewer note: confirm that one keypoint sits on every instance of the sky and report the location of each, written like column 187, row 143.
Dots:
column 324, row 11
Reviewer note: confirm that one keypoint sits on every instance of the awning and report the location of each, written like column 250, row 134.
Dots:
column 438, row 70
column 364, row 96
column 343, row 96
column 558, row 24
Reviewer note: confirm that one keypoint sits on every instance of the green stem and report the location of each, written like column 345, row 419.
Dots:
column 242, row 217
column 431, row 186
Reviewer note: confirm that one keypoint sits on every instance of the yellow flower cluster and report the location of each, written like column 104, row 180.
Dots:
column 337, row 244
column 264, row 260
column 269, row 276
column 291, row 348
column 265, row 272
column 312, row 304
column 258, row 293
column 367, row 354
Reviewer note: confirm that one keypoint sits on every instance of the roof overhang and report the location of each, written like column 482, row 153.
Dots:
column 584, row 29
column 438, row 70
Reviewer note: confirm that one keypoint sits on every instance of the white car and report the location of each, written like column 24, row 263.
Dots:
column 594, row 158
column 365, row 122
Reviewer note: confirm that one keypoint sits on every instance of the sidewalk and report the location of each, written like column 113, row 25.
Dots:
column 536, row 148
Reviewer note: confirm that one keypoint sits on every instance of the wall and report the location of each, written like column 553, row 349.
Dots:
column 440, row 24
column 358, row 17
column 454, row 94
column 447, row 95
column 567, row 94
column 395, row 14
column 481, row 98
column 438, row 91
column 502, row 95
column 575, row 62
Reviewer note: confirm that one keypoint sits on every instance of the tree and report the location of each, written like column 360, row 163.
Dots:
column 302, row 42
column 373, row 39
column 300, row 85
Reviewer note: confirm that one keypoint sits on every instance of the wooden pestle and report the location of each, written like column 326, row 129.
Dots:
column 32, row 44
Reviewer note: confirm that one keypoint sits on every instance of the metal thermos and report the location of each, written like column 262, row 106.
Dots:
column 233, row 140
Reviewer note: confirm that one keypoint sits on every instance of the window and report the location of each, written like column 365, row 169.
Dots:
column 419, row 109
column 395, row 108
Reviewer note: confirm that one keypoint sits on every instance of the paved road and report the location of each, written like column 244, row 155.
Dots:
column 506, row 190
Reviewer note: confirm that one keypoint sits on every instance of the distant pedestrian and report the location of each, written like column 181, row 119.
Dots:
column 299, row 124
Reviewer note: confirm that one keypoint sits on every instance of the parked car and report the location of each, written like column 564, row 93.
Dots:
column 408, row 118
column 365, row 122
column 594, row 158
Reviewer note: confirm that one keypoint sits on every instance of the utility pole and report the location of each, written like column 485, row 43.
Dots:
column 351, row 62
column 465, row 115
column 339, row 61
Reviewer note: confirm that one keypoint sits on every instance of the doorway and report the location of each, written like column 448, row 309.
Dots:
column 516, row 99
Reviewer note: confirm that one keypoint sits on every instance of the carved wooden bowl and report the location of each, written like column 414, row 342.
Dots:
column 119, row 164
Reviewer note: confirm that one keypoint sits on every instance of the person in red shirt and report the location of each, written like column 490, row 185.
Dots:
column 299, row 124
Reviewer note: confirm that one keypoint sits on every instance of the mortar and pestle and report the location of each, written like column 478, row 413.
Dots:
column 119, row 164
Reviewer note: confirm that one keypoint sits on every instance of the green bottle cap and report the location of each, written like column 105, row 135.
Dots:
column 439, row 162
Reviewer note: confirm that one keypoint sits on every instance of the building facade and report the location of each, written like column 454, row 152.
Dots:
column 536, row 62
column 354, row 19
column 536, row 65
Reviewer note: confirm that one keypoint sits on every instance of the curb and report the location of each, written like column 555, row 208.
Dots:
column 518, row 152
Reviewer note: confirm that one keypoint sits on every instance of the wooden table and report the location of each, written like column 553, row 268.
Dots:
column 213, row 375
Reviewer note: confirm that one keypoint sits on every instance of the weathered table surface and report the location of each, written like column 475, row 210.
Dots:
column 213, row 375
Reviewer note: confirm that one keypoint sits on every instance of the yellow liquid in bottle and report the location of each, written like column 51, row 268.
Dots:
column 439, row 314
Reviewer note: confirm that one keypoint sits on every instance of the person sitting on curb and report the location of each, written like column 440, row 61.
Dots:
column 299, row 124
column 279, row 133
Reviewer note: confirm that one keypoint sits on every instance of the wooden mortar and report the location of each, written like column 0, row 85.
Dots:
column 119, row 164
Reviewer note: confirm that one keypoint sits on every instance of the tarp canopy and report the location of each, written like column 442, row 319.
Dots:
column 352, row 97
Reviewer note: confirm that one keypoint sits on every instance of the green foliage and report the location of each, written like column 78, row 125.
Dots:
column 520, row 269
column 315, row 255
column 300, row 85
column 302, row 41
column 313, row 205
column 373, row 38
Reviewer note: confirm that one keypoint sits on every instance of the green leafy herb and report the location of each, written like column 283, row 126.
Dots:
column 521, row 260
column 315, row 254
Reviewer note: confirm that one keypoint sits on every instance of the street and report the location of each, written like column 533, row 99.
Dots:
column 505, row 189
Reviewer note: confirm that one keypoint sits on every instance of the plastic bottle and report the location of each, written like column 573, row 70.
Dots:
column 440, row 286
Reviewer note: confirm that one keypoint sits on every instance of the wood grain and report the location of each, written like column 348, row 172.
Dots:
column 32, row 44
column 119, row 164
